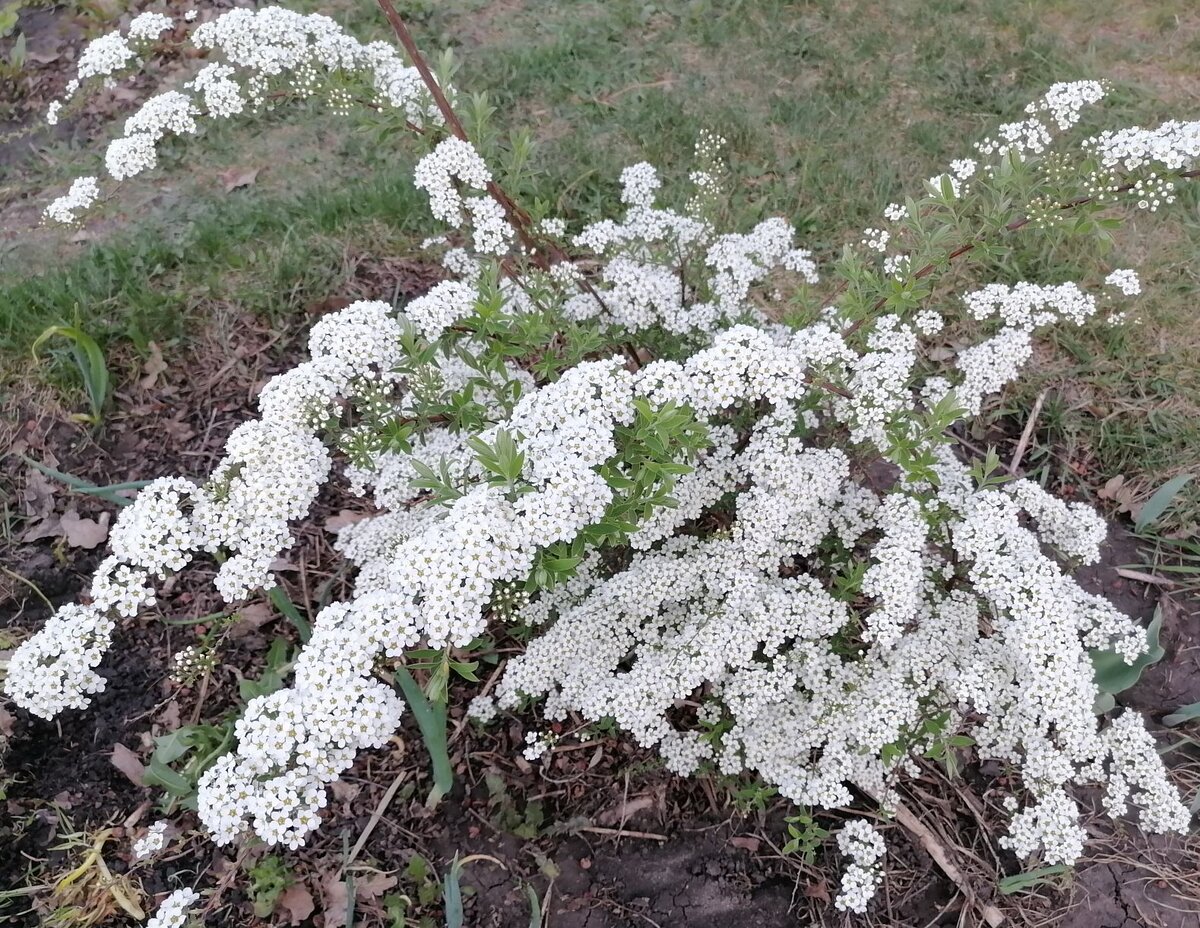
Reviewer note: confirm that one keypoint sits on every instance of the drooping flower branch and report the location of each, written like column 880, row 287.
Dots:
column 826, row 632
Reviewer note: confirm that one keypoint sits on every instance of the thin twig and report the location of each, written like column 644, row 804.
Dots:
column 517, row 218
column 941, row 856
column 622, row 833
column 1012, row 226
column 1027, row 433
column 374, row 819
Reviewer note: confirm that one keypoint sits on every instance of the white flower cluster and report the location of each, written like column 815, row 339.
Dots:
column 259, row 48
column 1125, row 280
column 452, row 163
column 1022, row 308
column 1059, row 110
column 173, row 912
column 153, row 841
column 56, row 668
column 81, row 196
column 864, row 848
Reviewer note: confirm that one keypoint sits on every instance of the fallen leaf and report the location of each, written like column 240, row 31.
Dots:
column 127, row 762
column 344, row 517
column 1110, row 488
column 373, row 886
column 169, row 718
column 6, row 722
column 238, row 177
column 250, row 619
column 819, row 890
column 746, row 843
column 332, row 304
column 334, row 895
column 83, row 533
column 297, row 901
column 153, row 366
column 48, row 527
column 38, row 494
column 624, row 811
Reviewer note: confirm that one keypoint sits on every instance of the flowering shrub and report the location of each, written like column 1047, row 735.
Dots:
column 661, row 462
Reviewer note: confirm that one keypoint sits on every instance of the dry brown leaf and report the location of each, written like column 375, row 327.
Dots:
column 128, row 763
column 297, row 901
column 6, row 722
column 334, row 895
column 83, row 533
column 818, row 890
column 373, row 886
column 746, row 843
column 624, row 811
column 153, row 366
column 169, row 718
column 250, row 619
column 45, row 528
column 38, row 494
column 344, row 517
column 238, row 177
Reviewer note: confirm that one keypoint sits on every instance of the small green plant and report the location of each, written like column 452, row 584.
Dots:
column 268, row 880
column 805, row 836
column 91, row 364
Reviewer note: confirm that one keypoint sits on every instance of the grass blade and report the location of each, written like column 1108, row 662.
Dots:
column 431, row 719
column 1158, row 503
column 1185, row 714
column 79, row 485
column 281, row 601
column 90, row 361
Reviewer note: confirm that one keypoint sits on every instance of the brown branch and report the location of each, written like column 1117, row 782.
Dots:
column 538, row 248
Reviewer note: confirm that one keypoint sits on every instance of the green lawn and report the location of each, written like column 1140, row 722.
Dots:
column 832, row 110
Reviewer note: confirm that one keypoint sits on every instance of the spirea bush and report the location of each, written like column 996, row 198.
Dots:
column 691, row 464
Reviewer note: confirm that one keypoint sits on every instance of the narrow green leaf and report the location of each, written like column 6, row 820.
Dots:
column 431, row 720
column 1158, row 503
column 284, row 604
column 159, row 774
column 1185, row 714
column 1031, row 878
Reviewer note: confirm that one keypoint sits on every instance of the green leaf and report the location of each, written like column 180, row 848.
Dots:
column 1185, row 714
column 88, row 358
column 431, row 720
column 79, row 485
column 284, row 604
column 452, row 895
column 1158, row 503
column 159, row 774
column 1113, row 675
column 1031, row 878
column 535, row 907
column 170, row 747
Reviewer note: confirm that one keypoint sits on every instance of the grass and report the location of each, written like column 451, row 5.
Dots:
column 832, row 108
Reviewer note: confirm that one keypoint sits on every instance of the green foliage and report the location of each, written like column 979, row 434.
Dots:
column 430, row 713
column 110, row 494
column 89, row 360
column 1183, row 714
column 1158, row 503
column 805, row 836
column 269, row 877
column 182, row 756
column 523, row 820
